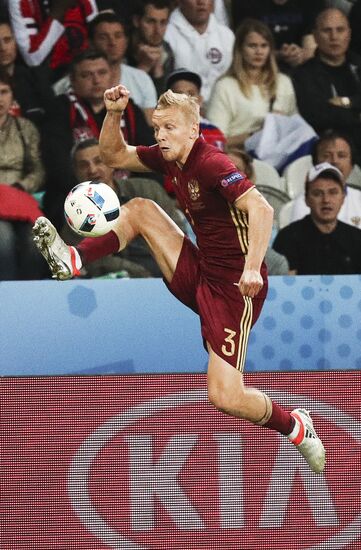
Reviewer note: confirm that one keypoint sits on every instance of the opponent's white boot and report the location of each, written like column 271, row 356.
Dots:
column 64, row 261
column 308, row 442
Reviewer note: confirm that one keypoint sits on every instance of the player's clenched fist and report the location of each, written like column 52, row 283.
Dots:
column 116, row 98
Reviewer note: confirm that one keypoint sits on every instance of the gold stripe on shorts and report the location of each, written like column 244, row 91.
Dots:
column 244, row 331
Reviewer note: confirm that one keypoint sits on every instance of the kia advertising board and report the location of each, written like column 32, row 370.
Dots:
column 144, row 462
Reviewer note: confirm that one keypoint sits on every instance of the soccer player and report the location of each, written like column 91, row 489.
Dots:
column 223, row 278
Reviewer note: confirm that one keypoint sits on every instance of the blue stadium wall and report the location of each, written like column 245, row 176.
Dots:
column 136, row 326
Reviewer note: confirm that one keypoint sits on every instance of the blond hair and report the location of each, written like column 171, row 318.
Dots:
column 269, row 76
column 187, row 104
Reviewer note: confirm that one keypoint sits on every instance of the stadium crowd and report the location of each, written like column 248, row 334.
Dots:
column 284, row 72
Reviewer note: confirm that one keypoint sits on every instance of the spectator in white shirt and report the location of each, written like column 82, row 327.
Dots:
column 199, row 42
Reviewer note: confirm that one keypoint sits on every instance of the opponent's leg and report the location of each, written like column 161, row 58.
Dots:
column 226, row 390
column 137, row 217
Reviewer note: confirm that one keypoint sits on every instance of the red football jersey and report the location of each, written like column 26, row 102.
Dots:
column 206, row 189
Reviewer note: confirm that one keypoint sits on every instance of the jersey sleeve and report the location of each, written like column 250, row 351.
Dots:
column 222, row 175
column 152, row 158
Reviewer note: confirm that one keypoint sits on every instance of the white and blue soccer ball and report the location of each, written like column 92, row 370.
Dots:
column 92, row 209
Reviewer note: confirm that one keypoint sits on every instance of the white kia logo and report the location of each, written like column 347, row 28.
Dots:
column 80, row 473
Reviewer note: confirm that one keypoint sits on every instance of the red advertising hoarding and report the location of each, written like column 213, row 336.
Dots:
column 144, row 462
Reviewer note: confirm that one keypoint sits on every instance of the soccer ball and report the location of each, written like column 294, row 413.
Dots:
column 91, row 209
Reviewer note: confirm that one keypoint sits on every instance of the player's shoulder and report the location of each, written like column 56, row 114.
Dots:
column 210, row 158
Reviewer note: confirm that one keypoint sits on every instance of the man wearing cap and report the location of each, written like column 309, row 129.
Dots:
column 320, row 244
column 336, row 148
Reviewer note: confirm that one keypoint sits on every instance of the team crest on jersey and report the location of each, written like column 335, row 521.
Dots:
column 193, row 190
column 174, row 181
column 231, row 179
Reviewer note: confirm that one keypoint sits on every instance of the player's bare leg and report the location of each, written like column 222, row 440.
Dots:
column 228, row 393
column 164, row 238
column 226, row 390
column 137, row 217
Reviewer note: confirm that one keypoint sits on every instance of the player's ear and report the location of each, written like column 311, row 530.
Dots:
column 194, row 131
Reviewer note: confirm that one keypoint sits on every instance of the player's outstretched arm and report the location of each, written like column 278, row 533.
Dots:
column 115, row 152
column 260, row 220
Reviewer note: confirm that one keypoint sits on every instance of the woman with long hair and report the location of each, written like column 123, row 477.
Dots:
column 252, row 87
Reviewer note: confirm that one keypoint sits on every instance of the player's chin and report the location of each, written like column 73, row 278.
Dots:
column 167, row 154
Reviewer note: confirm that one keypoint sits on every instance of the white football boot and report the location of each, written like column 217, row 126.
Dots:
column 308, row 442
column 64, row 261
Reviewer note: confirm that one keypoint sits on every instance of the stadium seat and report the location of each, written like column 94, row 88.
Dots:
column 277, row 200
column 265, row 174
column 295, row 175
column 284, row 217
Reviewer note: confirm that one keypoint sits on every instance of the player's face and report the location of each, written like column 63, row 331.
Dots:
column 332, row 34
column 338, row 153
column 152, row 25
column 7, row 46
column 175, row 133
column 6, row 99
column 110, row 39
column 197, row 12
column 88, row 165
column 91, row 78
column 255, row 51
column 325, row 198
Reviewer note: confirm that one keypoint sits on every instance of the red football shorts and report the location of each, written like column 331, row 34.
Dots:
column 226, row 316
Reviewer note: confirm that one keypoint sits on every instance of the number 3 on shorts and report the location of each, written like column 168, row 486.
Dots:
column 229, row 346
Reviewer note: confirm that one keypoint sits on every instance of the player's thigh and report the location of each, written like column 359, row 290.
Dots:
column 222, row 378
column 163, row 236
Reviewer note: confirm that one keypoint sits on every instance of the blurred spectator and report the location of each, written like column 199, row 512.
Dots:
column 355, row 22
column 79, row 115
column 51, row 32
column 20, row 158
column 320, row 244
column 252, row 87
column 328, row 87
column 336, row 148
column 136, row 259
column 199, row 42
column 147, row 49
column 21, row 172
column 32, row 89
column 291, row 23
column 108, row 35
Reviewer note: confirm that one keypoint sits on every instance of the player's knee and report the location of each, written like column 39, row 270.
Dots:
column 141, row 208
column 228, row 400
column 219, row 397
column 139, row 204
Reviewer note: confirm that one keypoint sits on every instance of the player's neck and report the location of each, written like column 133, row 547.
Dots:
column 180, row 162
